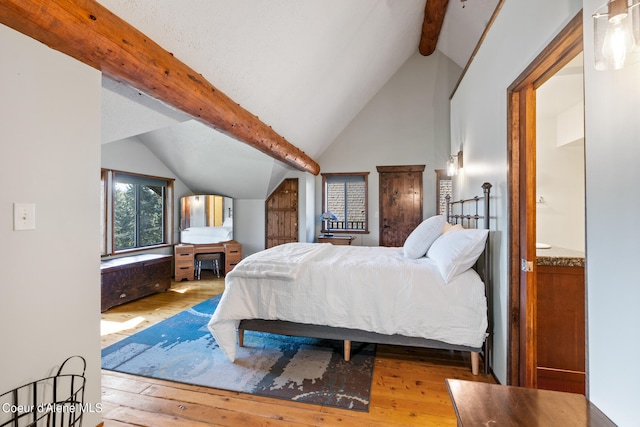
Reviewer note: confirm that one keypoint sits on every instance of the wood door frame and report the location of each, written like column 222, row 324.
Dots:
column 521, row 180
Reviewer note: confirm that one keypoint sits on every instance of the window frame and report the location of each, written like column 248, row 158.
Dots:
column 441, row 175
column 108, row 177
column 328, row 177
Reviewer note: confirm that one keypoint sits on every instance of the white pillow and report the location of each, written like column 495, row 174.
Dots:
column 449, row 227
column 421, row 238
column 457, row 250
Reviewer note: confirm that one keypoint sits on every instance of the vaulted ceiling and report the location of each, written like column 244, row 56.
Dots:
column 305, row 68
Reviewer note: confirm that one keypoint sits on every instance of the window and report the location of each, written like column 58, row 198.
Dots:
column 345, row 194
column 140, row 214
column 444, row 188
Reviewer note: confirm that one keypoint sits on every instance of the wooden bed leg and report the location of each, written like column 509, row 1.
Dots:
column 241, row 337
column 475, row 362
column 347, row 350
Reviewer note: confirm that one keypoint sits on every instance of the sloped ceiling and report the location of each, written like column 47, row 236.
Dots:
column 306, row 68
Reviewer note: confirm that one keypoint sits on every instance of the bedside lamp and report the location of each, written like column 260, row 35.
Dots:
column 326, row 217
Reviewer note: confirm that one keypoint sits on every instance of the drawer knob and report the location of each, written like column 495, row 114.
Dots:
column 123, row 295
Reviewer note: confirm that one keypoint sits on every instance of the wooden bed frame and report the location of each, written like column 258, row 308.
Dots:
column 455, row 214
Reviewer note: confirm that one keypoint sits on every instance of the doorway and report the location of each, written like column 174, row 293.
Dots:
column 400, row 202
column 281, row 214
column 521, row 147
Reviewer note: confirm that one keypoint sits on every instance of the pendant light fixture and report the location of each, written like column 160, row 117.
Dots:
column 616, row 29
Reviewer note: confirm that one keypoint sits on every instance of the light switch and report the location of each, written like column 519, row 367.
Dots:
column 24, row 216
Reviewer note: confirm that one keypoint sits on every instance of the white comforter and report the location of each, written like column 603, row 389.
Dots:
column 369, row 288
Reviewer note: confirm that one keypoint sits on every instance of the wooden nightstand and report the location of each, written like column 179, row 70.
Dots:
column 336, row 240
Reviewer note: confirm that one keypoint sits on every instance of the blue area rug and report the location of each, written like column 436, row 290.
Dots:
column 310, row 370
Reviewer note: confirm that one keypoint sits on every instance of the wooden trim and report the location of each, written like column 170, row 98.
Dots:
column 562, row 49
column 434, row 12
column 409, row 168
column 521, row 180
column 90, row 33
column 327, row 175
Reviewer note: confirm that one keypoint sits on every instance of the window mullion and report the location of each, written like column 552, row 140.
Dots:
column 138, row 213
column 346, row 204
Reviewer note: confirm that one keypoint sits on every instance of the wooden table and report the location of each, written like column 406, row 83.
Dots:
column 336, row 240
column 482, row 404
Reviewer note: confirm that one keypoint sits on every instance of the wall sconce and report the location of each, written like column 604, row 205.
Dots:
column 326, row 217
column 455, row 163
column 616, row 30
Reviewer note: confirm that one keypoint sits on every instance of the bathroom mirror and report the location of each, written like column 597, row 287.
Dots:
column 206, row 218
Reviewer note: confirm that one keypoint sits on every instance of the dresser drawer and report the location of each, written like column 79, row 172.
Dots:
column 183, row 268
column 184, row 251
column 232, row 256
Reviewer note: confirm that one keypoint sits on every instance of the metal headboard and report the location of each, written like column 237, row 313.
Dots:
column 455, row 214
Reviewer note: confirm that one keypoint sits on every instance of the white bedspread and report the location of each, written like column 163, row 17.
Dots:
column 369, row 288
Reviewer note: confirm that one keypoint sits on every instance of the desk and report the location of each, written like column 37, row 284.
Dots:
column 336, row 240
column 482, row 404
column 185, row 253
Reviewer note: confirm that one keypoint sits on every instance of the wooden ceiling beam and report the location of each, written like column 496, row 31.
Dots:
column 434, row 12
column 88, row 32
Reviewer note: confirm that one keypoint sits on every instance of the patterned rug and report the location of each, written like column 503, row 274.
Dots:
column 310, row 370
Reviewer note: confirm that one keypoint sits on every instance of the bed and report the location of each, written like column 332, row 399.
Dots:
column 399, row 296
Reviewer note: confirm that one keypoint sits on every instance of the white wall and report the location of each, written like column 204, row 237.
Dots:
column 479, row 115
column 560, row 218
column 612, row 132
column 479, row 121
column 406, row 123
column 131, row 155
column 248, row 225
column 50, row 156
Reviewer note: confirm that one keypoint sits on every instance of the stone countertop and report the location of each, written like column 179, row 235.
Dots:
column 559, row 257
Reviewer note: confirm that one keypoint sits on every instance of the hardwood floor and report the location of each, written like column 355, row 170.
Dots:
column 408, row 385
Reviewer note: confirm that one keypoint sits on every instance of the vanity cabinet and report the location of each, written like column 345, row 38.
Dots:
column 184, row 267
column 232, row 256
column 231, row 252
column 560, row 328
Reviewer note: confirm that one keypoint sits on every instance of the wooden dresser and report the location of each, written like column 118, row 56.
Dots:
column 185, row 253
column 482, row 404
column 132, row 277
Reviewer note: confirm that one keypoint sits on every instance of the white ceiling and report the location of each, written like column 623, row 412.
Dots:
column 305, row 67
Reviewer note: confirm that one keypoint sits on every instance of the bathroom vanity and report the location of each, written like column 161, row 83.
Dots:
column 560, row 320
